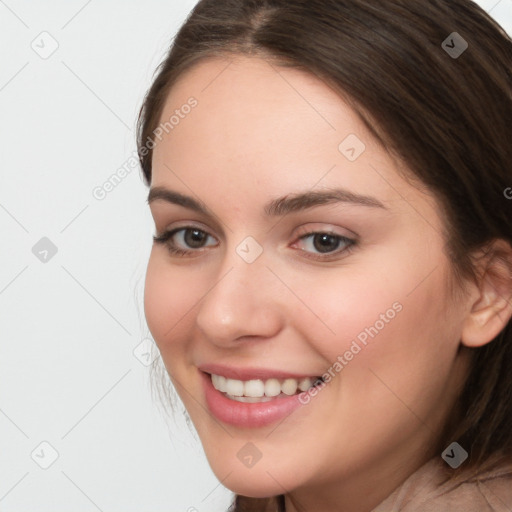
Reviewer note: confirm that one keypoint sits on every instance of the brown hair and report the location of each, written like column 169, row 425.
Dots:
column 447, row 118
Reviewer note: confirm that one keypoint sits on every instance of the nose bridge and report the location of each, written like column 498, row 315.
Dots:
column 240, row 302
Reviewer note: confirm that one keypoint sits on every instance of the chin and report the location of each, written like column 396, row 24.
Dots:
column 252, row 489
column 260, row 481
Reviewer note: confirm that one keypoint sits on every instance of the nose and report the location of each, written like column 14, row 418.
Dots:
column 243, row 302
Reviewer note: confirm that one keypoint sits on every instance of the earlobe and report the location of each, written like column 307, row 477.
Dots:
column 492, row 310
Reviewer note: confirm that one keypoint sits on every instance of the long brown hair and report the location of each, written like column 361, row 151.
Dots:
column 447, row 117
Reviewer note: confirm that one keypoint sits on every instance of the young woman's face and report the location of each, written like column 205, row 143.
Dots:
column 310, row 256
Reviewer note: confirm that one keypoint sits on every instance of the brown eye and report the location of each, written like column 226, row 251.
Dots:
column 194, row 238
column 184, row 241
column 323, row 242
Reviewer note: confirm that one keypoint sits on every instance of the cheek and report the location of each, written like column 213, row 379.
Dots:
column 390, row 321
column 396, row 349
column 349, row 306
column 168, row 296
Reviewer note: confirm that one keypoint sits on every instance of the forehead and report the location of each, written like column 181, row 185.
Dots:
column 255, row 125
column 261, row 99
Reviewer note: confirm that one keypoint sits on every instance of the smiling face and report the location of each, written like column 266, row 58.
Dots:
column 348, row 279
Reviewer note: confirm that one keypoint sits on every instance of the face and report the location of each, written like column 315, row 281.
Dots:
column 296, row 250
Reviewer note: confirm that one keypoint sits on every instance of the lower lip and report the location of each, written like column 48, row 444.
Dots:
column 244, row 414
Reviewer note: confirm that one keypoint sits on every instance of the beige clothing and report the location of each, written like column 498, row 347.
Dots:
column 427, row 490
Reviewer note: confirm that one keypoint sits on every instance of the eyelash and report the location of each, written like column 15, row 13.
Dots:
column 166, row 239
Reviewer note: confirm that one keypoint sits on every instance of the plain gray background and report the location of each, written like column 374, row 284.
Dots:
column 74, row 366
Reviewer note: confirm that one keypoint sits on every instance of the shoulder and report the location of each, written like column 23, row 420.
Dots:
column 429, row 489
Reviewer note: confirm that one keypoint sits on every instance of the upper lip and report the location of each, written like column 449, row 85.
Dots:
column 252, row 373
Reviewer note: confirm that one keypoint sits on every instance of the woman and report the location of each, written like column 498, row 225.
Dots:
column 331, row 277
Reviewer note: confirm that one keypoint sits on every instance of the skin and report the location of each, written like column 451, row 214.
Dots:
column 260, row 132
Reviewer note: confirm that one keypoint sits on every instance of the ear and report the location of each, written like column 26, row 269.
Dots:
column 492, row 309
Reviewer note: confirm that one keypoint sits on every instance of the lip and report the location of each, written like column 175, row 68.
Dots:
column 250, row 373
column 244, row 414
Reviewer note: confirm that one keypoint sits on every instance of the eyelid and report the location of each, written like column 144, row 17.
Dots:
column 320, row 227
column 162, row 211
column 191, row 224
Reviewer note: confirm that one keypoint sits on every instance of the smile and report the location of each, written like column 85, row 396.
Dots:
column 257, row 390
column 255, row 403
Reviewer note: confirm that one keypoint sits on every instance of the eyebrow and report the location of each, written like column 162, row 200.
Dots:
column 276, row 207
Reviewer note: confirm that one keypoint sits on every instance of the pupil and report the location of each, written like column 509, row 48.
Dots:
column 326, row 242
column 195, row 239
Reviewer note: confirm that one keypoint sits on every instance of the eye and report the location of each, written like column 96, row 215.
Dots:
column 184, row 241
column 325, row 244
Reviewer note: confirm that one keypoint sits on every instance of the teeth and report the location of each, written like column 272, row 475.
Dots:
column 272, row 387
column 305, row 383
column 254, row 388
column 219, row 382
column 289, row 386
column 258, row 390
column 234, row 387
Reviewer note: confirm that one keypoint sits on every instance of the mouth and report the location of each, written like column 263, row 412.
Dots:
column 257, row 402
column 262, row 390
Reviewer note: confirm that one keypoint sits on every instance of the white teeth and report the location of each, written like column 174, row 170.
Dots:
column 219, row 382
column 257, row 390
column 254, row 388
column 289, row 386
column 234, row 387
column 305, row 383
column 272, row 387
column 222, row 383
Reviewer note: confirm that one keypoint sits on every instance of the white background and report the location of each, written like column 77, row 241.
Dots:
column 69, row 327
